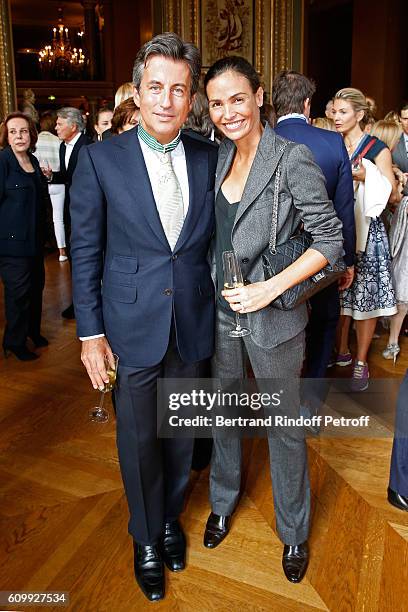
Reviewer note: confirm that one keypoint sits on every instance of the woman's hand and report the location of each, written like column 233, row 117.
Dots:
column 360, row 174
column 252, row 297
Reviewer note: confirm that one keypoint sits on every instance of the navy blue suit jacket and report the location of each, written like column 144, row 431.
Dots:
column 118, row 239
column 330, row 154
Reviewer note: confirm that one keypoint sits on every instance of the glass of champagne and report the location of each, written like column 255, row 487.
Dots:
column 45, row 167
column 233, row 280
column 99, row 414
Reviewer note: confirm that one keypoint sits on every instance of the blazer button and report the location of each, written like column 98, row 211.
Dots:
column 168, row 291
column 245, row 260
column 174, row 257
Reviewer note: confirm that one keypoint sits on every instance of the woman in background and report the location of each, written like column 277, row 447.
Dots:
column 390, row 132
column 125, row 117
column 23, row 196
column 324, row 123
column 371, row 295
column 123, row 92
column 103, row 121
column 47, row 153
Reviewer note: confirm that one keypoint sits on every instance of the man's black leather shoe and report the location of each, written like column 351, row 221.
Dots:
column 216, row 530
column 21, row 352
column 397, row 500
column 149, row 570
column 68, row 313
column 173, row 546
column 295, row 560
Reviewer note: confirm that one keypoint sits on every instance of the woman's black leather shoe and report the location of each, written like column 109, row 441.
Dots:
column 39, row 341
column 173, row 546
column 295, row 560
column 21, row 352
column 149, row 570
column 216, row 530
column 68, row 313
column 397, row 500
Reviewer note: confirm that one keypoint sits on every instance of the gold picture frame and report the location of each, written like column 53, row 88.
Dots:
column 275, row 27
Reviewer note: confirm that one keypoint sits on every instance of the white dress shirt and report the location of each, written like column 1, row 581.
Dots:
column 69, row 147
column 406, row 142
column 152, row 161
column 178, row 159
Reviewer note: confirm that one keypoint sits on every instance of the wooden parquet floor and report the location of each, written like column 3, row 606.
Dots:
column 63, row 515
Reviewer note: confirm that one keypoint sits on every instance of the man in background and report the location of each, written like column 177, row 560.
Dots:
column 291, row 96
column 69, row 128
column 400, row 153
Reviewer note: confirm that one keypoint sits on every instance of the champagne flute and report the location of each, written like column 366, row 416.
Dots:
column 99, row 414
column 45, row 167
column 355, row 164
column 233, row 280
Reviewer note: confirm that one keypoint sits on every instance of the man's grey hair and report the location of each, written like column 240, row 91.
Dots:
column 73, row 116
column 172, row 46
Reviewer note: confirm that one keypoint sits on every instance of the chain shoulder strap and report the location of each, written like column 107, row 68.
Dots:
column 274, row 222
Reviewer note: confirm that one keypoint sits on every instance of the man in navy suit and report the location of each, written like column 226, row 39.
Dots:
column 69, row 128
column 142, row 208
column 291, row 96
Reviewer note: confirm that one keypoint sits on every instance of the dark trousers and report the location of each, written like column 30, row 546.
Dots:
column 23, row 280
column 155, row 472
column 321, row 331
column 399, row 457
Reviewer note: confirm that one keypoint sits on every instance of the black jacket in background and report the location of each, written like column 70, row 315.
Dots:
column 23, row 201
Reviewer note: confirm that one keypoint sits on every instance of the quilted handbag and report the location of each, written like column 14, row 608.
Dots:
column 277, row 258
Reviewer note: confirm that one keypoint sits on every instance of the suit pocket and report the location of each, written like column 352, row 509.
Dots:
column 126, row 265
column 119, row 293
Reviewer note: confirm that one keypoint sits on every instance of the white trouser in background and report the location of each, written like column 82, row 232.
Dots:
column 57, row 195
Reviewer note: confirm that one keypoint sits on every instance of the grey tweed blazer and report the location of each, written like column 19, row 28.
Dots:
column 302, row 197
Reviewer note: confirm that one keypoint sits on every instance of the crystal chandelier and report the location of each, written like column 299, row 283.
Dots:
column 60, row 60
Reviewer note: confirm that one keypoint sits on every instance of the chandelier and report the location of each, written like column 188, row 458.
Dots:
column 60, row 60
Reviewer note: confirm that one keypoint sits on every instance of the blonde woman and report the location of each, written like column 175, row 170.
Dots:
column 371, row 295
column 390, row 133
column 324, row 123
column 123, row 92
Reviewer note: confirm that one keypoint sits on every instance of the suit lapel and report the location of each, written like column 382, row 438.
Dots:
column 402, row 153
column 62, row 150
column 264, row 165
column 197, row 172
column 74, row 155
column 132, row 165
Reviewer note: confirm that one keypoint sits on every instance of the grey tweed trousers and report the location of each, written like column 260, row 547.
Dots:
column 287, row 446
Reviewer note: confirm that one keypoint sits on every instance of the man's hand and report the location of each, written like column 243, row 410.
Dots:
column 95, row 356
column 346, row 280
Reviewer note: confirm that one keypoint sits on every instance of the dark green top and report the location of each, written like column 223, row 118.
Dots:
column 224, row 222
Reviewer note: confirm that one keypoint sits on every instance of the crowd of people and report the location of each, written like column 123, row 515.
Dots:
column 144, row 217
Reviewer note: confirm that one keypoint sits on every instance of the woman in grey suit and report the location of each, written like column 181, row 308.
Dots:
column 248, row 158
